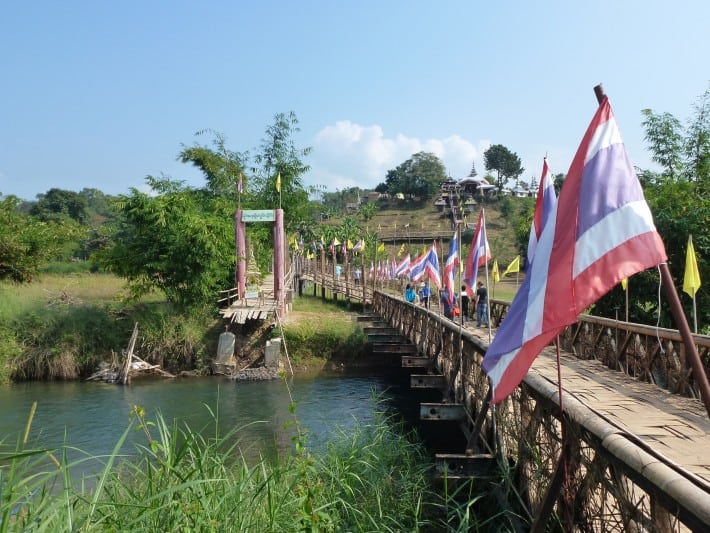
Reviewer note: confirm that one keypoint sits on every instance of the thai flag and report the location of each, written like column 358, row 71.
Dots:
column 600, row 233
column 450, row 268
column 478, row 255
column 545, row 204
column 358, row 246
column 431, row 266
column 416, row 268
column 403, row 266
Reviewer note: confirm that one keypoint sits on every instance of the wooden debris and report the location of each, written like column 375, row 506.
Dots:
column 133, row 366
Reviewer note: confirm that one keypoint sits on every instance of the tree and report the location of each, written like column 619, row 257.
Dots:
column 367, row 211
column 421, row 175
column 505, row 163
column 279, row 158
column 680, row 203
column 56, row 204
column 663, row 133
column 27, row 242
column 221, row 167
column 177, row 239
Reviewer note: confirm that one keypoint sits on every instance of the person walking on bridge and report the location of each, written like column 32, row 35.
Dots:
column 481, row 305
column 410, row 294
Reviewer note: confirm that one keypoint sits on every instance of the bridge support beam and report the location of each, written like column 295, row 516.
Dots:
column 427, row 381
column 453, row 412
column 416, row 362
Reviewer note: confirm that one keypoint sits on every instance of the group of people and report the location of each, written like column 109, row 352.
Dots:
column 451, row 306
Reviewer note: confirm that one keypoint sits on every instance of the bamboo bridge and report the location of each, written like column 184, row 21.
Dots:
column 629, row 451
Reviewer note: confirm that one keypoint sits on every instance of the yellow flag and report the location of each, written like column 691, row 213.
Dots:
column 336, row 242
column 514, row 266
column 625, row 283
column 495, row 273
column 381, row 247
column 401, row 250
column 691, row 280
column 349, row 244
column 278, row 182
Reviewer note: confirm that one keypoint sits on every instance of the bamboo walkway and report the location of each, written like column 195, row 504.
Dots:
column 260, row 308
column 673, row 428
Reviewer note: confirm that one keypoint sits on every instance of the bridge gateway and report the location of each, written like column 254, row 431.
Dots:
column 628, row 454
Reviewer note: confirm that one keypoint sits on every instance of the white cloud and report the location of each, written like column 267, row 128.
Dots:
column 346, row 154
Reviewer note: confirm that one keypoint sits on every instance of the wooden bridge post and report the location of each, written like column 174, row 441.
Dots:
column 279, row 261
column 240, row 244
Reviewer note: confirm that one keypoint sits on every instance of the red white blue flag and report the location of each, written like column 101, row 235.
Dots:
column 452, row 261
column 403, row 267
column 478, row 255
column 416, row 267
column 431, row 265
column 545, row 204
column 601, row 232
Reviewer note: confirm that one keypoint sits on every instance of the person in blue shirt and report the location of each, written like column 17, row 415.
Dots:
column 425, row 294
column 448, row 305
column 410, row 294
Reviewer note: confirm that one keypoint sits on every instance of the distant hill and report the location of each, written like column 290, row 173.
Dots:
column 418, row 223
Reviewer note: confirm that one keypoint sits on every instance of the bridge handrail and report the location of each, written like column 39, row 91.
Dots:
column 617, row 478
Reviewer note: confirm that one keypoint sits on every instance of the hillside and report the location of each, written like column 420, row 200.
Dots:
column 418, row 223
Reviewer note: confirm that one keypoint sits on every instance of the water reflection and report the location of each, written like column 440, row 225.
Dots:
column 92, row 416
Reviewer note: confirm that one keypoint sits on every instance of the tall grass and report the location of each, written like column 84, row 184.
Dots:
column 325, row 330
column 370, row 479
column 63, row 326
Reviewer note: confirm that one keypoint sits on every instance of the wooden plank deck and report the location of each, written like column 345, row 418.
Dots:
column 261, row 308
column 672, row 426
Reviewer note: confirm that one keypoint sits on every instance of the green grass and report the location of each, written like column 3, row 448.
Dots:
column 374, row 478
column 63, row 326
column 317, row 331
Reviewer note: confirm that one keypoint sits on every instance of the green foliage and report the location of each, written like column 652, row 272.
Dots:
column 278, row 156
column 663, row 134
column 373, row 478
column 505, row 163
column 338, row 200
column 680, row 203
column 421, row 175
column 337, row 337
column 220, row 166
column 58, row 204
column 180, row 241
column 27, row 243
column 367, row 211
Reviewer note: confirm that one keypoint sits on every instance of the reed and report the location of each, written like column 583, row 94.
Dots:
column 372, row 479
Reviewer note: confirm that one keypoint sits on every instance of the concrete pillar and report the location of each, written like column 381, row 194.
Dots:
column 272, row 353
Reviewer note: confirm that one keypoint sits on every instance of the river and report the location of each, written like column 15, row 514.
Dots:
column 91, row 417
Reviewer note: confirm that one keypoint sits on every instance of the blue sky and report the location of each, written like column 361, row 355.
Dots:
column 101, row 94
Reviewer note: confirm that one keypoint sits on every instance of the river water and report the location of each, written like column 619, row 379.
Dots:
column 91, row 417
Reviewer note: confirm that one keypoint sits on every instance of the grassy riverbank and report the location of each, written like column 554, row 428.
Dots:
column 61, row 327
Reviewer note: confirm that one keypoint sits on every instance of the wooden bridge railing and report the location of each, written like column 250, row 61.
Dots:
column 649, row 354
column 612, row 482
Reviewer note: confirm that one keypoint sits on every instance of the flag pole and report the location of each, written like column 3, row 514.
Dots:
column 691, row 350
column 485, row 265
column 626, row 291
